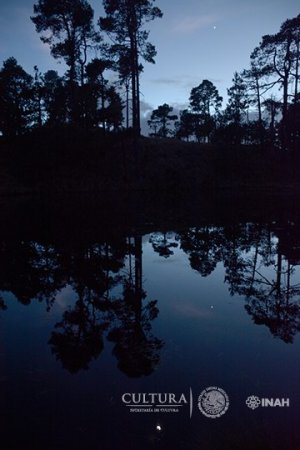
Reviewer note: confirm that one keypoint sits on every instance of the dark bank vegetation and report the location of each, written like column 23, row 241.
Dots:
column 82, row 131
column 88, row 162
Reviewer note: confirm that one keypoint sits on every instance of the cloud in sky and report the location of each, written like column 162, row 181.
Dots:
column 189, row 24
column 146, row 108
column 185, row 81
column 180, row 80
column 166, row 81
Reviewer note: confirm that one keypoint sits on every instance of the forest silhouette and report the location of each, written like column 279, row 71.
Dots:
column 85, row 120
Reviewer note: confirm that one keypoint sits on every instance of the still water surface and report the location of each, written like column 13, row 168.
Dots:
column 96, row 309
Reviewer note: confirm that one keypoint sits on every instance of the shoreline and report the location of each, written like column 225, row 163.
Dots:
column 34, row 167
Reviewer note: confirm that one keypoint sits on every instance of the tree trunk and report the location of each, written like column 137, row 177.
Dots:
column 72, row 80
column 103, row 102
column 127, row 104
column 138, row 113
column 279, row 271
column 138, row 263
column 297, row 72
column 133, row 83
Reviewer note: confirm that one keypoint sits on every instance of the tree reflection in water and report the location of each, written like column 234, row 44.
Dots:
column 259, row 263
column 106, row 277
column 80, row 334
column 273, row 298
column 38, row 271
column 31, row 270
column 162, row 243
column 136, row 349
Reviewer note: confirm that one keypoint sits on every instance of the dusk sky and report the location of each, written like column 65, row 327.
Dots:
column 195, row 40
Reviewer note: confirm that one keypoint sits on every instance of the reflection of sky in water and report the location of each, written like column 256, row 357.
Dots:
column 205, row 322
column 209, row 339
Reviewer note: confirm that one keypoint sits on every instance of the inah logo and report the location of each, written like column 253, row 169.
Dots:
column 213, row 402
column 254, row 402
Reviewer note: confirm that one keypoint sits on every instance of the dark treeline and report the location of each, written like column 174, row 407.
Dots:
column 253, row 114
column 77, row 131
column 83, row 97
column 86, row 98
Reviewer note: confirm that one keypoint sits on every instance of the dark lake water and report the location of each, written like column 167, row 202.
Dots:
column 107, row 298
